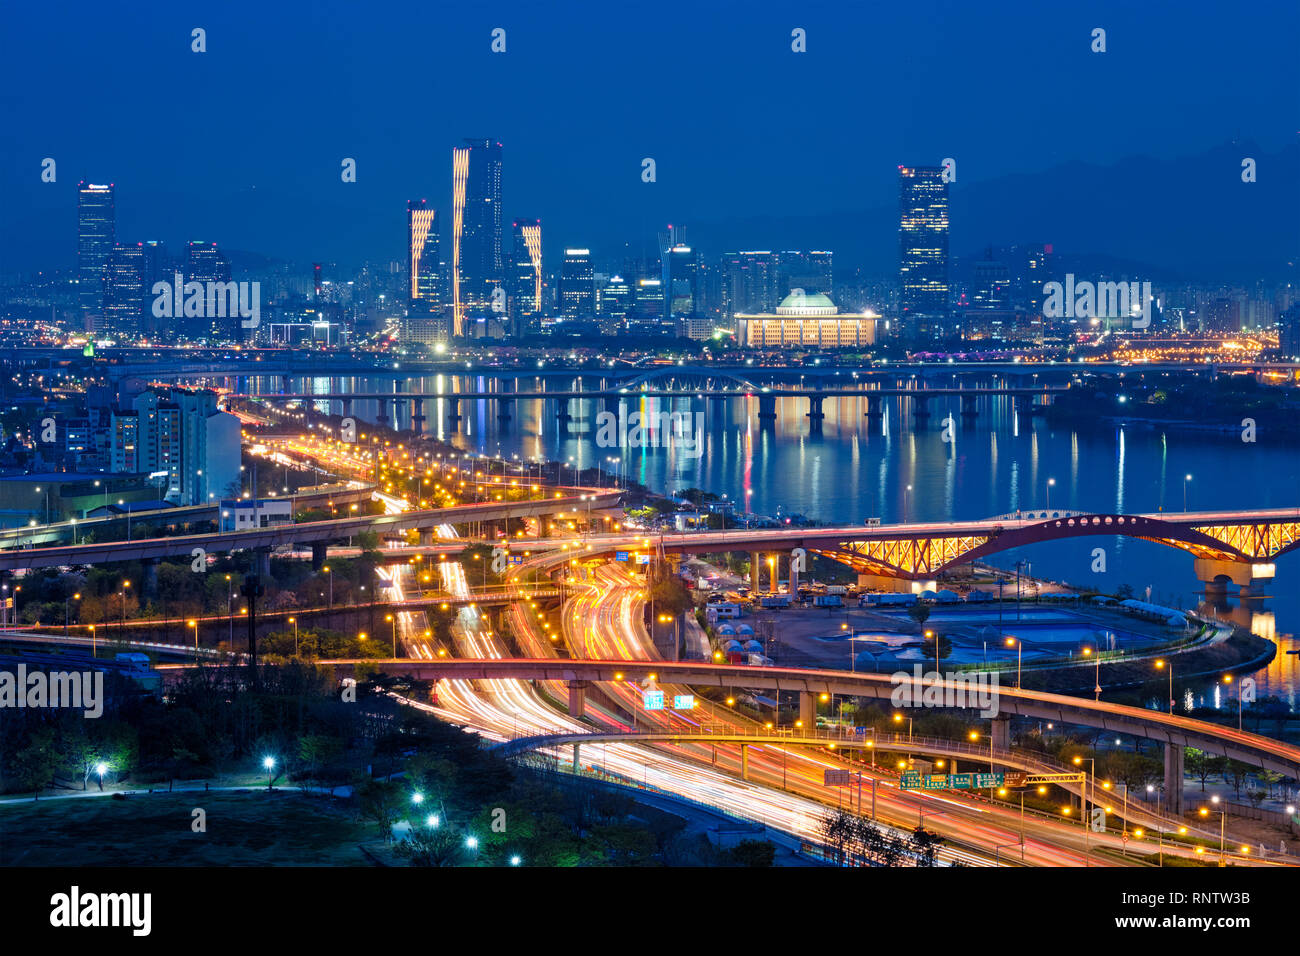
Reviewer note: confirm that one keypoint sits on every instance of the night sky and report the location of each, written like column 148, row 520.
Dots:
column 242, row 144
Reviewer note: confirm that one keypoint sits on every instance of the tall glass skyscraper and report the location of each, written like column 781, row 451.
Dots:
column 923, row 248
column 477, row 269
column 96, row 233
column 577, row 285
column 526, row 276
column 422, row 256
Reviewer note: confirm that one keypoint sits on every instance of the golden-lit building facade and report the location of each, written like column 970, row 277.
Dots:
column 807, row 322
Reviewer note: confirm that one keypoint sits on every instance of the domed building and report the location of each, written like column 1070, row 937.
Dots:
column 807, row 322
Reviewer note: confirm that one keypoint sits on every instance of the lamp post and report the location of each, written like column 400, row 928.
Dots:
column 1050, row 483
column 1186, row 479
column 1227, row 679
column 193, row 622
column 1223, row 818
column 1165, row 665
column 125, row 586
column 294, row 622
column 269, row 764
column 94, row 649
column 75, row 597
column 1096, row 690
column 392, row 619
column 1019, row 646
column 1083, row 795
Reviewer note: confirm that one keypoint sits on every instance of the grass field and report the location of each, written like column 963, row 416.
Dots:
column 243, row 829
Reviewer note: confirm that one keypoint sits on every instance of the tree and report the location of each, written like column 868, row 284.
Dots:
column 752, row 853
column 919, row 612
column 431, row 846
column 379, row 800
column 37, row 763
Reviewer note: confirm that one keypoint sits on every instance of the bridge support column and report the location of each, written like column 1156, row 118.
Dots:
column 1001, row 728
column 577, row 702
column 319, row 554
column 417, row 415
column 1216, row 574
column 453, row 412
column 505, row 409
column 1174, row 754
column 920, row 410
column 755, row 570
column 426, row 537
column 347, row 407
column 969, row 409
column 577, row 755
column 794, row 580
column 562, row 413
column 382, row 418
column 744, row 761
column 263, row 563
column 808, row 709
column 610, row 403
column 815, row 414
column 766, row 409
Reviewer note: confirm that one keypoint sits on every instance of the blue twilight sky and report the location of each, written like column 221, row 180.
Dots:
column 242, row 144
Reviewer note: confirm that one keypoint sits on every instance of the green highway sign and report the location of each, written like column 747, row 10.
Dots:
column 950, row 781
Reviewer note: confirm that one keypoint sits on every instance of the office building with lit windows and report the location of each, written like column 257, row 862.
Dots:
column 577, row 285
column 96, row 234
column 923, row 249
column 477, row 268
column 526, row 277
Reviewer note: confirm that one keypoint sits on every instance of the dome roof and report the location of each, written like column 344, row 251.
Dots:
column 800, row 303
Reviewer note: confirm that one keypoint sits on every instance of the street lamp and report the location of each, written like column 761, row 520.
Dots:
column 1186, row 479
column 1050, row 483
column 101, row 768
column 1019, row 646
column 1087, row 652
column 1223, row 818
column 392, row 619
column 193, row 622
column 125, row 586
column 1163, row 665
column 1227, row 679
column 294, row 622
column 1083, row 795
column 75, row 597
column 269, row 764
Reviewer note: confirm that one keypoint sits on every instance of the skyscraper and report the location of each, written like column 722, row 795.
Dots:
column 577, row 285
column 424, row 313
column 96, row 233
column 749, row 282
column 923, row 248
column 526, row 277
column 124, row 298
column 476, row 264
column 204, row 263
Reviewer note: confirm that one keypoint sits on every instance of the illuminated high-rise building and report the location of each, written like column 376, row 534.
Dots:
column 124, row 297
column 204, row 263
column 422, row 255
column 96, row 233
column 923, row 248
column 477, row 269
column 749, row 282
column 526, row 277
column 682, row 278
column 613, row 304
column 577, row 285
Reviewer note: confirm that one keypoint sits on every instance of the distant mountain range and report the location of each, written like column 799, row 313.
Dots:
column 1191, row 219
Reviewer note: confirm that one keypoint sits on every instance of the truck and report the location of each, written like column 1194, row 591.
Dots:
column 775, row 600
column 888, row 599
column 828, row 600
column 840, row 589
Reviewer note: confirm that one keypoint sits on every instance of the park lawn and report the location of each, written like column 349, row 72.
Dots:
column 282, row 828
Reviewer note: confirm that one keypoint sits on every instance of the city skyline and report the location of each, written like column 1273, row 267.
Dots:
column 712, row 163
